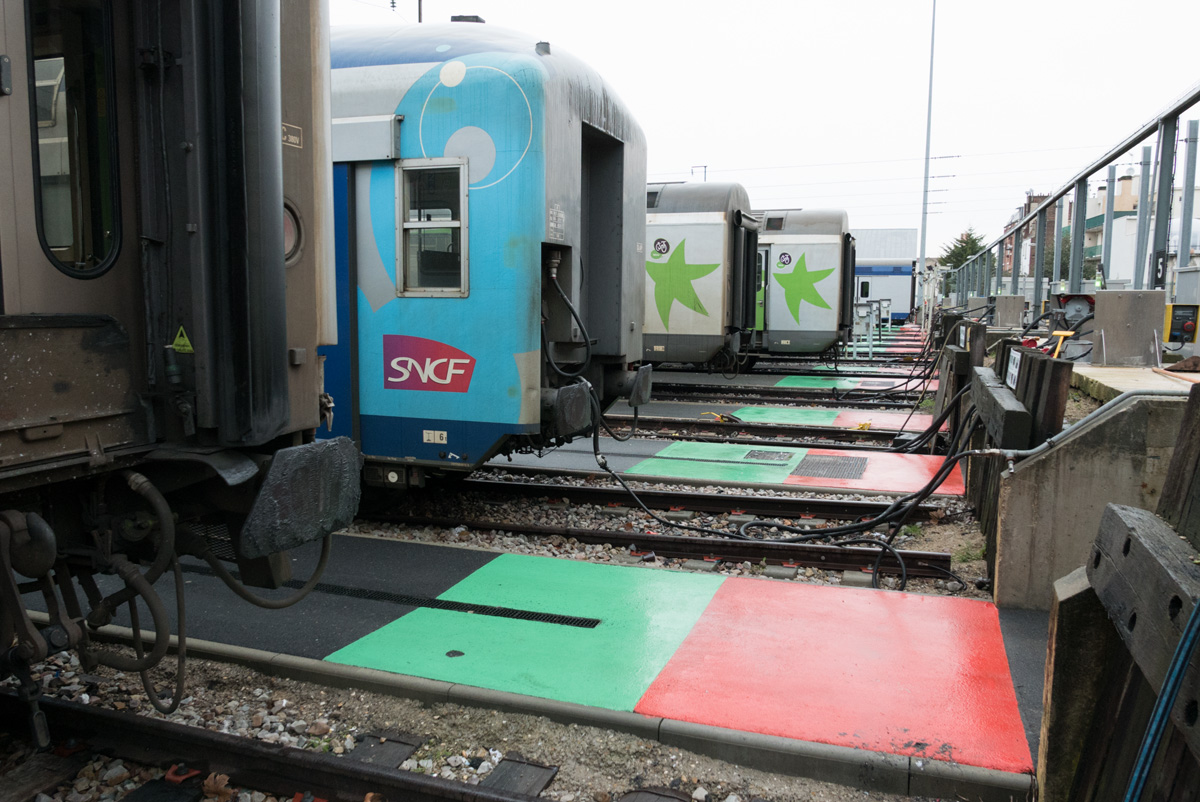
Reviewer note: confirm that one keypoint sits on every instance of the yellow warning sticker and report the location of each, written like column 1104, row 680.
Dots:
column 182, row 344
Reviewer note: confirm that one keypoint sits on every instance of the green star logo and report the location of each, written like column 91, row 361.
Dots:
column 673, row 282
column 800, row 285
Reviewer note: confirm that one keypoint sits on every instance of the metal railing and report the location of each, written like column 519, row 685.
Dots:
column 982, row 272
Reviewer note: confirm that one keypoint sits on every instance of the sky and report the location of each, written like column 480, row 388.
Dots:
column 823, row 104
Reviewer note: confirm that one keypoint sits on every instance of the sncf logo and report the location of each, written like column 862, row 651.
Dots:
column 414, row 363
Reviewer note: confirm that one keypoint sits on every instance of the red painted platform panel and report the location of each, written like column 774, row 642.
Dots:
column 923, row 676
column 887, row 473
column 888, row 421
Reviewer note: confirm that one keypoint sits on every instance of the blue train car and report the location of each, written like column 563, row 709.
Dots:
column 490, row 212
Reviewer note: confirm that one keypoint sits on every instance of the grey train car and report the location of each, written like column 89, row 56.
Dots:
column 806, row 263
column 490, row 188
column 165, row 282
column 701, row 294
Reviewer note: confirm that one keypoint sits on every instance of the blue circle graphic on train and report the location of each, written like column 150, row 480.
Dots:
column 470, row 114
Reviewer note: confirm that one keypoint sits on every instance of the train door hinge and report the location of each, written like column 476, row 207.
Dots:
column 5, row 75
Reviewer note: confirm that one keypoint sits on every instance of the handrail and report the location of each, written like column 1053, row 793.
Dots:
column 1169, row 112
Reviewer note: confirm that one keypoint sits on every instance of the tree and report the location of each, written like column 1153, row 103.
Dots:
column 956, row 254
column 1089, row 269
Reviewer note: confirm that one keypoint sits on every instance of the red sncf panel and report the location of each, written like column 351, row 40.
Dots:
column 415, row 363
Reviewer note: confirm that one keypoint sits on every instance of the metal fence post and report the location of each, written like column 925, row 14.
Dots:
column 1165, row 194
column 1058, row 227
column 1039, row 263
column 1189, row 196
column 1078, row 221
column 1110, row 198
column 999, row 265
column 1143, row 221
column 1016, row 271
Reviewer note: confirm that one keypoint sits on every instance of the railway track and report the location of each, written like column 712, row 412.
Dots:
column 736, row 432
column 759, row 506
column 769, row 369
column 789, row 396
column 645, row 546
column 802, row 360
column 284, row 772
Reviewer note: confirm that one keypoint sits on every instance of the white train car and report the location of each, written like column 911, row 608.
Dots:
column 884, row 270
column 806, row 260
column 700, row 293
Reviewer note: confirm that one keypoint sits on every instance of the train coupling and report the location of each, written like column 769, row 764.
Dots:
column 309, row 491
column 635, row 385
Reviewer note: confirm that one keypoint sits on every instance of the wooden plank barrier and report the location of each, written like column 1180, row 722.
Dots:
column 1115, row 627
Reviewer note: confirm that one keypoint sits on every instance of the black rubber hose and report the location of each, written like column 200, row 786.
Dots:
column 180, row 651
column 136, row 582
column 936, row 426
column 1036, row 321
column 165, row 551
column 1079, row 325
column 587, row 340
column 601, row 422
column 259, row 601
column 884, row 548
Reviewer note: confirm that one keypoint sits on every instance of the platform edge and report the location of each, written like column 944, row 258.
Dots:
column 937, row 778
column 859, row 768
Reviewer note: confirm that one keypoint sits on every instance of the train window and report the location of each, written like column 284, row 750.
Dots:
column 73, row 127
column 433, row 227
column 864, row 289
column 49, row 83
column 774, row 224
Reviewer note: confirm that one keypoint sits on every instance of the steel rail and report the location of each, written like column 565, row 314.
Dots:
column 783, row 369
column 715, row 394
column 761, row 433
column 249, row 763
column 829, row 557
column 854, row 372
column 764, row 506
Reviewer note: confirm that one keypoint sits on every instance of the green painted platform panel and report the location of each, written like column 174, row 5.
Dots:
column 722, row 462
column 818, row 383
column 644, row 614
column 789, row 415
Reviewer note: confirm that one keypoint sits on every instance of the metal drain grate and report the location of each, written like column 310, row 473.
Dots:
column 432, row 603
column 217, row 537
column 774, row 456
column 821, row 466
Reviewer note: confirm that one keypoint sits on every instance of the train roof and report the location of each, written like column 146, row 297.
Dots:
column 422, row 44
column 673, row 198
column 373, row 67
column 803, row 221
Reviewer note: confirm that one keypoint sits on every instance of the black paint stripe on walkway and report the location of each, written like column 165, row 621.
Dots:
column 409, row 600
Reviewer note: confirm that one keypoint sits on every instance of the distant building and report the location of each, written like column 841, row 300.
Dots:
column 1028, row 239
column 1124, row 231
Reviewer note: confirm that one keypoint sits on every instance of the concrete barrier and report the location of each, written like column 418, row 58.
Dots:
column 1050, row 505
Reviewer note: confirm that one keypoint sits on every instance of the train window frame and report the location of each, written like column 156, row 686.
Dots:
column 404, row 287
column 109, row 228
